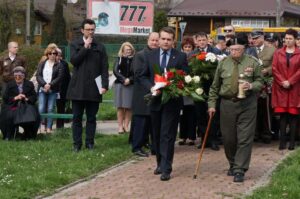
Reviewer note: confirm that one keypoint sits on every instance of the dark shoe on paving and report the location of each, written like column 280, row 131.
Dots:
column 90, row 146
column 238, row 177
column 181, row 142
column 140, row 153
column 153, row 152
column 165, row 177
column 157, row 171
column 291, row 148
column 191, row 143
column 282, row 145
column 215, row 147
column 266, row 140
column 230, row 172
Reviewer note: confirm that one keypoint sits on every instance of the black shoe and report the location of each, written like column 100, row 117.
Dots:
column 191, row 143
column 291, row 148
column 153, row 152
column 266, row 140
column 140, row 153
column 90, row 146
column 76, row 149
column 282, row 145
column 157, row 171
column 238, row 177
column 165, row 177
column 182, row 142
column 215, row 147
column 230, row 172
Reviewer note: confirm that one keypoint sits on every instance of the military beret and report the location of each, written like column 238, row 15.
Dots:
column 255, row 34
column 240, row 39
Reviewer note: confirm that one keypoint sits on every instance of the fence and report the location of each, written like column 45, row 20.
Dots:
column 111, row 49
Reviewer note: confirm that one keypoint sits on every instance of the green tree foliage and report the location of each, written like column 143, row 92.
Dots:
column 58, row 33
column 32, row 55
column 160, row 20
column 5, row 27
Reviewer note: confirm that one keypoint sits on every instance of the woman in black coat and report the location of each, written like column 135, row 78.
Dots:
column 18, row 90
column 123, row 71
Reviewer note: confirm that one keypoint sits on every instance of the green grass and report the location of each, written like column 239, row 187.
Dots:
column 285, row 181
column 39, row 167
column 107, row 111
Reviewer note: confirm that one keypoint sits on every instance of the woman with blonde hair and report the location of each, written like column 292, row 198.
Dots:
column 123, row 71
column 49, row 75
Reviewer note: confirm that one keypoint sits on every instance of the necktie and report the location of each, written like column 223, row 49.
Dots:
column 163, row 63
column 258, row 50
column 235, row 78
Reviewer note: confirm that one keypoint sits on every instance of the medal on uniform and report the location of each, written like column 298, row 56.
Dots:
column 5, row 63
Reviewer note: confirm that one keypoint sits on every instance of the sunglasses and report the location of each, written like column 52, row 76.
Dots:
column 52, row 53
column 18, row 76
column 227, row 30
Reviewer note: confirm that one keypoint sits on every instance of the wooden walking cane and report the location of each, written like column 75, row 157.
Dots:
column 202, row 147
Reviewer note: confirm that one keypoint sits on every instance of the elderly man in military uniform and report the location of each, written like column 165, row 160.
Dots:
column 265, row 56
column 237, row 81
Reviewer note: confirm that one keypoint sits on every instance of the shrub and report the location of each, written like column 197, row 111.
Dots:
column 32, row 55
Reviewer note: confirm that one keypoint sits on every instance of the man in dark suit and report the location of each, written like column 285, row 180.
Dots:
column 203, row 46
column 141, row 121
column 165, row 117
column 201, row 107
column 89, row 59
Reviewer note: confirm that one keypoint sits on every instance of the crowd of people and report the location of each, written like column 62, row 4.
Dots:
column 255, row 86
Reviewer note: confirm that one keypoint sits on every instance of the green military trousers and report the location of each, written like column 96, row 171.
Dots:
column 237, row 122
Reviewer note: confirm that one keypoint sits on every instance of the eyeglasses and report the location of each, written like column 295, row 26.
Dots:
column 228, row 30
column 90, row 29
column 52, row 53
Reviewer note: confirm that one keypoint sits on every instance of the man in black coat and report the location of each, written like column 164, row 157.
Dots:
column 89, row 59
column 165, row 117
column 141, row 121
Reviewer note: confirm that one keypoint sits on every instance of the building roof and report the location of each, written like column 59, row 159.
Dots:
column 232, row 8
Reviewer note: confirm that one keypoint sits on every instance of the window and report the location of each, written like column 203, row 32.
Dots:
column 254, row 23
column 38, row 28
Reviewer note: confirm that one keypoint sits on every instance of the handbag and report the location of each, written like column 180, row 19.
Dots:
column 25, row 113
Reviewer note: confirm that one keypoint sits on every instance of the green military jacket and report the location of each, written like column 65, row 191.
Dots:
column 266, row 57
column 221, row 86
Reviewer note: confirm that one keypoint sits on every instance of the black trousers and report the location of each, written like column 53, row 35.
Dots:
column 61, row 108
column 91, row 109
column 202, row 122
column 188, row 123
column 263, row 130
column 9, row 129
column 141, row 126
column 165, row 124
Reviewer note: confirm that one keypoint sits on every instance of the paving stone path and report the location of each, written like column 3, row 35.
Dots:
column 135, row 179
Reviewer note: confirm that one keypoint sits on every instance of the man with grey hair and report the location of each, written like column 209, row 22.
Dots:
column 8, row 62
